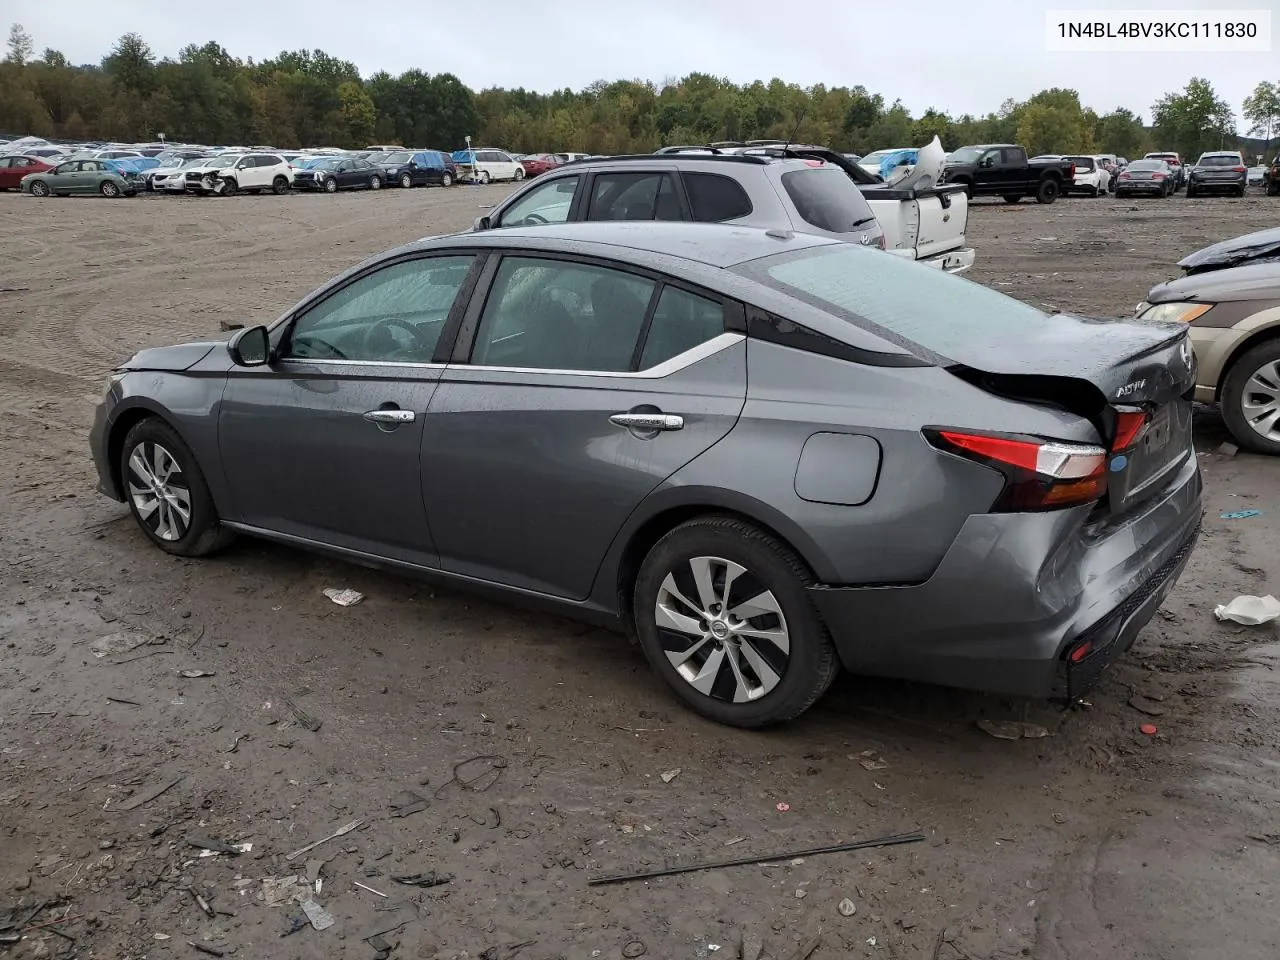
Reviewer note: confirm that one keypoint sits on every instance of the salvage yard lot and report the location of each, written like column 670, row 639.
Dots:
column 1092, row 841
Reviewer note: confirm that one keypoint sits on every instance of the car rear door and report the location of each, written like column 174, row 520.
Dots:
column 577, row 386
column 324, row 443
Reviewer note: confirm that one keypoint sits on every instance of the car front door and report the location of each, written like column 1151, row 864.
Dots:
column 324, row 443
column 578, row 386
column 87, row 178
column 9, row 175
column 551, row 201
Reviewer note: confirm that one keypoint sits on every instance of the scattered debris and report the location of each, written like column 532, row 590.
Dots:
column 508, row 952
column 800, row 894
column 300, row 716
column 752, row 945
column 1250, row 611
column 806, row 949
column 1228, row 449
column 147, row 794
column 1270, row 839
column 128, row 703
column 381, row 946
column 870, row 760
column 202, row 903
column 1240, row 514
column 378, row 893
column 888, row 841
column 670, row 775
column 321, row 919
column 1144, row 705
column 1150, row 729
column 482, row 781
column 117, row 643
column 730, row 843
column 280, row 890
column 429, row 879
column 1011, row 729
column 847, row 907
column 211, row 848
column 782, row 807
column 407, row 802
column 195, row 674
column 634, row 948
column 211, row 951
column 340, row 832
column 343, row 598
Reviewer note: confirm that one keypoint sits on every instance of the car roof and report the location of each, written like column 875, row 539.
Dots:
column 710, row 244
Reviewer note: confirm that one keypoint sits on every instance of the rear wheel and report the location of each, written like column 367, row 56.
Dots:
column 1048, row 191
column 406, row 181
column 723, row 614
column 1240, row 191
column 39, row 189
column 109, row 190
column 1013, row 198
column 280, row 186
column 167, row 492
column 1250, row 398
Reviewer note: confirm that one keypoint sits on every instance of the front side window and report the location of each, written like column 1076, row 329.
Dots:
column 560, row 315
column 393, row 315
column 548, row 203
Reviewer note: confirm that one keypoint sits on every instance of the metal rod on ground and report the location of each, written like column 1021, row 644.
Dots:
column 889, row 841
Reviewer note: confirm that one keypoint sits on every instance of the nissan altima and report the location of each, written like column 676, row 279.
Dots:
column 762, row 454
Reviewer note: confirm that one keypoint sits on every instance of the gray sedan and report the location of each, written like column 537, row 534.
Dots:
column 762, row 454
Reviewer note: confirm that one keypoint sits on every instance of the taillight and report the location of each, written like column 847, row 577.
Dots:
column 1129, row 424
column 1237, row 169
column 1157, row 176
column 1073, row 171
column 1124, row 176
column 1039, row 474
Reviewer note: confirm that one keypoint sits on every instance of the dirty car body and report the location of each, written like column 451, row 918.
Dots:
column 1260, row 247
column 761, row 453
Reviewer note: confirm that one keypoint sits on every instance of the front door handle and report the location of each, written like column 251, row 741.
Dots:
column 648, row 421
column 390, row 416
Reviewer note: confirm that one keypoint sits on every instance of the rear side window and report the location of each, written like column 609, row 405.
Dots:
column 826, row 198
column 929, row 308
column 715, row 198
column 681, row 321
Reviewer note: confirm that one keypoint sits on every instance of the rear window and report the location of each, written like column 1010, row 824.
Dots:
column 1220, row 161
column 1146, row 165
column 715, row 198
column 1082, row 163
column 826, row 198
column 898, row 299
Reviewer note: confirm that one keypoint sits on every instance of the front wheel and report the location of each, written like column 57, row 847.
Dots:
column 167, row 492
column 1191, row 193
column 1250, row 399
column 1012, row 198
column 331, row 185
column 109, row 190
column 724, row 617
column 375, row 182
column 519, row 174
column 446, row 180
column 229, row 188
column 39, row 189
column 484, row 176
column 1048, row 191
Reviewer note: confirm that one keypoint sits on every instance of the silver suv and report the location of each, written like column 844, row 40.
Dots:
column 806, row 196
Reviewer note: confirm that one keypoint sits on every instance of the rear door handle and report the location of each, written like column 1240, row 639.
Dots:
column 648, row 421
column 390, row 416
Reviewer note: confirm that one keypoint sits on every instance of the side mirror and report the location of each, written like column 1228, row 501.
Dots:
column 250, row 347
column 482, row 223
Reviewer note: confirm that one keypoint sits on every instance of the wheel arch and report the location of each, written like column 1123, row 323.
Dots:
column 1255, row 339
column 666, row 510
column 133, row 413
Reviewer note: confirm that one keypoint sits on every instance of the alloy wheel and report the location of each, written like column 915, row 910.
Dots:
column 159, row 491
column 1260, row 401
column 722, row 629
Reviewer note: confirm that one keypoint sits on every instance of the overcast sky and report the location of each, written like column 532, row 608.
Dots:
column 962, row 56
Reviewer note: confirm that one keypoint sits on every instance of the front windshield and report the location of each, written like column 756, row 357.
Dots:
column 328, row 163
column 965, row 154
column 875, row 158
column 226, row 160
column 398, row 157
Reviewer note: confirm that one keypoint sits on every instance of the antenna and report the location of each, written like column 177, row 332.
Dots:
column 799, row 121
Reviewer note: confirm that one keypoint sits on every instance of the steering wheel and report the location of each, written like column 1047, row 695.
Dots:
column 386, row 323
column 534, row 218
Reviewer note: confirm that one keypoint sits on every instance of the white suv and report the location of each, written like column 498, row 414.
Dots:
column 255, row 173
column 493, row 164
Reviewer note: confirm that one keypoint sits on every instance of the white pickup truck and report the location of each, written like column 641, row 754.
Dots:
column 921, row 220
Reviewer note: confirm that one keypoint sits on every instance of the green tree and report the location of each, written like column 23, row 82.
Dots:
column 131, row 64
column 934, row 123
column 1262, row 112
column 20, row 45
column 1121, row 132
column 359, row 116
column 1193, row 120
column 893, row 129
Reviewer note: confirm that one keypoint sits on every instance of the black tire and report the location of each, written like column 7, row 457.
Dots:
column 1240, row 191
column 1232, row 395
column 519, row 174
column 229, row 188
column 1048, row 190
column 109, row 190
column 1191, row 193
column 280, row 186
column 39, row 188
column 330, row 185
column 484, row 176
column 1012, row 198
column 406, row 181
column 204, row 533
column 375, row 182
column 809, row 666
column 446, row 179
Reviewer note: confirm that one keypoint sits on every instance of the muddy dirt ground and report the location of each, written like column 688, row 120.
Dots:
column 1093, row 842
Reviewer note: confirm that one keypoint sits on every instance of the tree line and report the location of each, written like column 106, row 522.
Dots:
column 307, row 98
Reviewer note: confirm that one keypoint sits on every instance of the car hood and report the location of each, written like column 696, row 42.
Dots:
column 181, row 356
column 1263, row 245
column 1258, row 281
